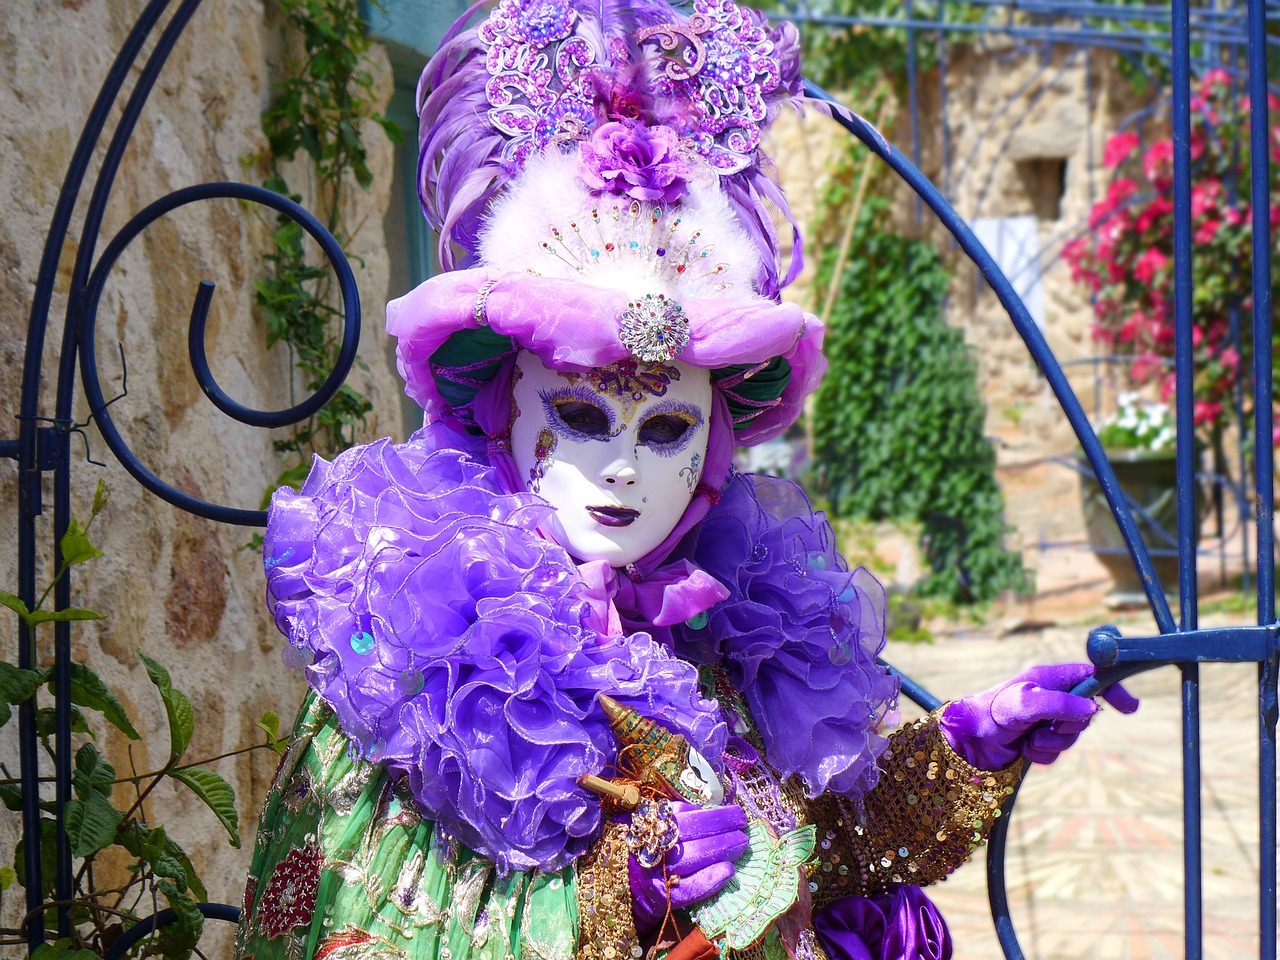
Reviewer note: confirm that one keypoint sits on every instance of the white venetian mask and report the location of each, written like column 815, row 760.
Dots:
column 617, row 451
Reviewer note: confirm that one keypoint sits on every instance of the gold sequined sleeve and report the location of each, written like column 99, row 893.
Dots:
column 925, row 817
column 606, row 930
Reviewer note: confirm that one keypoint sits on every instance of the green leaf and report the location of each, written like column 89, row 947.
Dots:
column 63, row 949
column 88, row 690
column 144, row 842
column 217, row 794
column 46, row 717
column 270, row 724
column 76, row 547
column 182, row 719
column 93, row 774
column 91, row 824
column 11, row 796
column 70, row 613
column 7, row 878
column 179, row 938
column 194, row 883
column 14, row 603
column 166, row 866
column 17, row 685
column 100, row 497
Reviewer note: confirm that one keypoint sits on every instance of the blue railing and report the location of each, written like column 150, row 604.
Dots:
column 43, row 445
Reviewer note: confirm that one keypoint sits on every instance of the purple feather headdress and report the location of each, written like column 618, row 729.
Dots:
column 646, row 95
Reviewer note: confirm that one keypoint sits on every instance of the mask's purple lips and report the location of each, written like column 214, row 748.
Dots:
column 613, row 516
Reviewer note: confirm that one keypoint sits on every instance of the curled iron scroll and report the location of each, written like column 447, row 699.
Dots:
column 196, row 337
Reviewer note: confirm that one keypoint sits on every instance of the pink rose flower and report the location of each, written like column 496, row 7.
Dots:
column 638, row 161
column 1149, row 264
column 1118, row 149
column 1157, row 164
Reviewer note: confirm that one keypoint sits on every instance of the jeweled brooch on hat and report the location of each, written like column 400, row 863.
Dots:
column 654, row 328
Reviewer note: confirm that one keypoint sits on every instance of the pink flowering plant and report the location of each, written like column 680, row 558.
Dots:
column 1126, row 259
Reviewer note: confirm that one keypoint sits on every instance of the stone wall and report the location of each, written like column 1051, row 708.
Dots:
column 174, row 586
column 1025, row 140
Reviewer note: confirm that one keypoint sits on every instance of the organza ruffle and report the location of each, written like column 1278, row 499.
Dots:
column 798, row 636
column 451, row 642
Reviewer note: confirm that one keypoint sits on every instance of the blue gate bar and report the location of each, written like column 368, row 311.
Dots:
column 1185, row 400
column 1191, row 849
column 1264, row 490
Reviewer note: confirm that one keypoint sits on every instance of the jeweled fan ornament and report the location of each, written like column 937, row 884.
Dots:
column 765, row 885
column 654, row 328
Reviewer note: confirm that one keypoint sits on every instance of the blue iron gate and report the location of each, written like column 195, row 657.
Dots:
column 43, row 447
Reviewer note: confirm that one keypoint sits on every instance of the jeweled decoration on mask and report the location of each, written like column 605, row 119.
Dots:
column 542, row 451
column 654, row 328
column 626, row 380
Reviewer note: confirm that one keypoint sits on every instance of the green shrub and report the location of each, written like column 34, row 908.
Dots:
column 898, row 423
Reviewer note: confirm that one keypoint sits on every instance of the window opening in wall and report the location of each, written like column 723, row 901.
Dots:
column 1045, row 181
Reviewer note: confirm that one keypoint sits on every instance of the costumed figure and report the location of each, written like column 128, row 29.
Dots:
column 578, row 689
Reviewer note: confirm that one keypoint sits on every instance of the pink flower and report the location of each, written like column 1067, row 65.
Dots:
column 1130, row 329
column 1118, row 192
column 641, row 162
column 1216, row 77
column 1145, row 366
column 1157, row 164
column 1206, row 412
column 1204, row 196
column 1155, row 212
column 1207, row 230
column 1118, row 149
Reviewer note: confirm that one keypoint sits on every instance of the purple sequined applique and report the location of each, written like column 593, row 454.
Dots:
column 541, row 78
column 534, row 104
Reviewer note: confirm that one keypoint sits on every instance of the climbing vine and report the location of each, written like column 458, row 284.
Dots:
column 319, row 112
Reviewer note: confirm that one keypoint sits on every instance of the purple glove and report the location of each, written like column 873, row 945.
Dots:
column 903, row 925
column 991, row 729
column 699, row 865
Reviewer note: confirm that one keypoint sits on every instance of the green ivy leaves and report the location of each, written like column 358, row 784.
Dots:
column 898, row 423
column 320, row 108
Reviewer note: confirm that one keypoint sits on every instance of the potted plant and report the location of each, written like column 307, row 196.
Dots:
column 1140, row 441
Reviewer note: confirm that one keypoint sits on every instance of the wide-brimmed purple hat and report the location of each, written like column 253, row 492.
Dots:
column 598, row 184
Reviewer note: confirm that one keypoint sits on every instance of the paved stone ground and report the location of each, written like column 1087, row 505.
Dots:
column 1095, row 850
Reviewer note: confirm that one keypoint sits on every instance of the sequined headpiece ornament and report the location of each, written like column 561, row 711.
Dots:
column 595, row 174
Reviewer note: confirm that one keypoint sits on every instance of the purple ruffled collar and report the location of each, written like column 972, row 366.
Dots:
column 466, row 652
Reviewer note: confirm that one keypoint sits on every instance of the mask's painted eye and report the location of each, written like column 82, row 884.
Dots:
column 664, row 429
column 582, row 417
